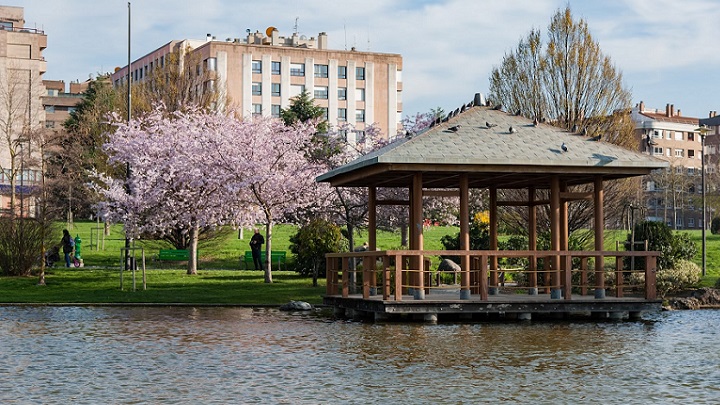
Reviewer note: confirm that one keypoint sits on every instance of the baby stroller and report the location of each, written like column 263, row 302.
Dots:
column 51, row 256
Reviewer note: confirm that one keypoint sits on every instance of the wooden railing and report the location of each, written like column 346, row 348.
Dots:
column 372, row 273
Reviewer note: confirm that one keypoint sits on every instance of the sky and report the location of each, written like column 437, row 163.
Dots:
column 665, row 49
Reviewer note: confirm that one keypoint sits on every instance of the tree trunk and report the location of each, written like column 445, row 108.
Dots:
column 268, row 250
column 192, row 262
column 404, row 234
column 315, row 272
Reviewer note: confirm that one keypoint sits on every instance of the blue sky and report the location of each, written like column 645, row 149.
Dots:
column 666, row 49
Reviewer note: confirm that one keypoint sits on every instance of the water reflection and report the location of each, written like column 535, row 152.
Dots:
column 241, row 355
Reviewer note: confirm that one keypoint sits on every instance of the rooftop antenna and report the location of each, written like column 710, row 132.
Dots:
column 296, row 25
column 345, row 30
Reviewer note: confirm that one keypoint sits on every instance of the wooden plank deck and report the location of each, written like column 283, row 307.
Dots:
column 447, row 305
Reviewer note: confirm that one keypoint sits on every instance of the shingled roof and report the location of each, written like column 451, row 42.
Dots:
column 492, row 155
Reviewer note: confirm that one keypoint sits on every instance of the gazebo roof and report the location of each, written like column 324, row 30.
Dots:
column 492, row 156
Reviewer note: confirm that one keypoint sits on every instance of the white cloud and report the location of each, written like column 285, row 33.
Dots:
column 448, row 46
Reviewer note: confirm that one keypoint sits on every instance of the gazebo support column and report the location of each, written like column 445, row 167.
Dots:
column 555, row 291
column 532, row 241
column 372, row 219
column 599, row 200
column 464, row 237
column 493, row 241
column 416, row 209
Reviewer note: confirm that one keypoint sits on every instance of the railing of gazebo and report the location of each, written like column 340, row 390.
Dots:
column 377, row 272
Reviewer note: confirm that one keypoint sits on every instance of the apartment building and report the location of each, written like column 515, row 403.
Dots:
column 673, row 196
column 58, row 103
column 21, row 112
column 261, row 73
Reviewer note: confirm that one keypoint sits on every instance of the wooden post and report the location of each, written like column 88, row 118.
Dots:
column 417, row 244
column 398, row 277
column 567, row 279
column 345, row 278
column 464, row 237
column 650, row 285
column 555, row 234
column 372, row 219
column 599, row 241
column 532, row 241
column 483, row 278
column 493, row 240
column 386, row 277
column 583, row 275
column 619, row 276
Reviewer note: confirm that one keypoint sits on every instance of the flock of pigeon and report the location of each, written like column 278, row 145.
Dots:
column 512, row 130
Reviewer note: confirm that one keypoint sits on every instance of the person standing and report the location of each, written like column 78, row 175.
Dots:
column 68, row 246
column 256, row 243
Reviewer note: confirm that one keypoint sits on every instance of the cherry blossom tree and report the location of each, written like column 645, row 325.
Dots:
column 175, row 180
column 269, row 160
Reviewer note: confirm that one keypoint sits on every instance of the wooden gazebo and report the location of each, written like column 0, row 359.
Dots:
column 484, row 147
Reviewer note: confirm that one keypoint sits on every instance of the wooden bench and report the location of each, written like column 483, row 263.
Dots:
column 174, row 255
column 278, row 257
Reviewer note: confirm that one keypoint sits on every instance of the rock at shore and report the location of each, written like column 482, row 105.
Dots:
column 296, row 306
column 700, row 298
column 448, row 265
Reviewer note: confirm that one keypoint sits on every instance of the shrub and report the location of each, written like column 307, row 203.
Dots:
column 20, row 245
column 715, row 226
column 685, row 274
column 673, row 247
column 311, row 243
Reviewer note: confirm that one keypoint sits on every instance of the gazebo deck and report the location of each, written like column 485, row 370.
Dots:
column 447, row 305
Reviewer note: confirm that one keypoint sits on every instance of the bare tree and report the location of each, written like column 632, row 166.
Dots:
column 20, row 115
column 570, row 83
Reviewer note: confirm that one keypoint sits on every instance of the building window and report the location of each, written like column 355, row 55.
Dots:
column 342, row 93
column 359, row 136
column 325, row 114
column 275, row 89
column 360, row 73
column 257, row 66
column 296, row 89
column 321, row 92
column 691, row 136
column 211, row 64
column 49, row 108
column 691, row 222
column 297, row 69
column 359, row 115
column 679, row 153
column 342, row 72
column 275, row 68
column 321, row 71
column 678, row 136
column 359, row 94
column 257, row 88
column 691, row 171
column 657, row 134
column 257, row 109
column 52, row 92
column 691, row 153
column 342, row 114
column 275, row 110
column 49, row 124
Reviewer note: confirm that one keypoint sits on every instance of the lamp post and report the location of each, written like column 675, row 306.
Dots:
column 703, row 131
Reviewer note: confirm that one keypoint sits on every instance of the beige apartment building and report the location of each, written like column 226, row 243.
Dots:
column 58, row 103
column 21, row 112
column 262, row 72
column 673, row 196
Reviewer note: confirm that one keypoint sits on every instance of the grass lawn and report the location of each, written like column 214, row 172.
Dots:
column 220, row 280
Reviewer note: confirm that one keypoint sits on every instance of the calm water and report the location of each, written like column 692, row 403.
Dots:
column 74, row 355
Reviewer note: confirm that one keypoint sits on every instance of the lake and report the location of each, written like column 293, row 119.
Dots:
column 221, row 355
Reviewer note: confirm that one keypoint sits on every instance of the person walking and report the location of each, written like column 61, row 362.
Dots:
column 68, row 246
column 256, row 243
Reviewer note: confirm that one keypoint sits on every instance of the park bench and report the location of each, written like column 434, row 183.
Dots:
column 276, row 257
column 174, row 255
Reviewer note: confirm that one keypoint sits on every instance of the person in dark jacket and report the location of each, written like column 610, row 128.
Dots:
column 256, row 243
column 68, row 246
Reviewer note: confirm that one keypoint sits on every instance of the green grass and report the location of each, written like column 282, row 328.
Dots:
column 219, row 279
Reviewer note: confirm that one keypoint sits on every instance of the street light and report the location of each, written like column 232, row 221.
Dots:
column 703, row 131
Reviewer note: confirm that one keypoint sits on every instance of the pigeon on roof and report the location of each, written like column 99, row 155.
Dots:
column 512, row 130
column 489, row 125
column 564, row 147
column 454, row 128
